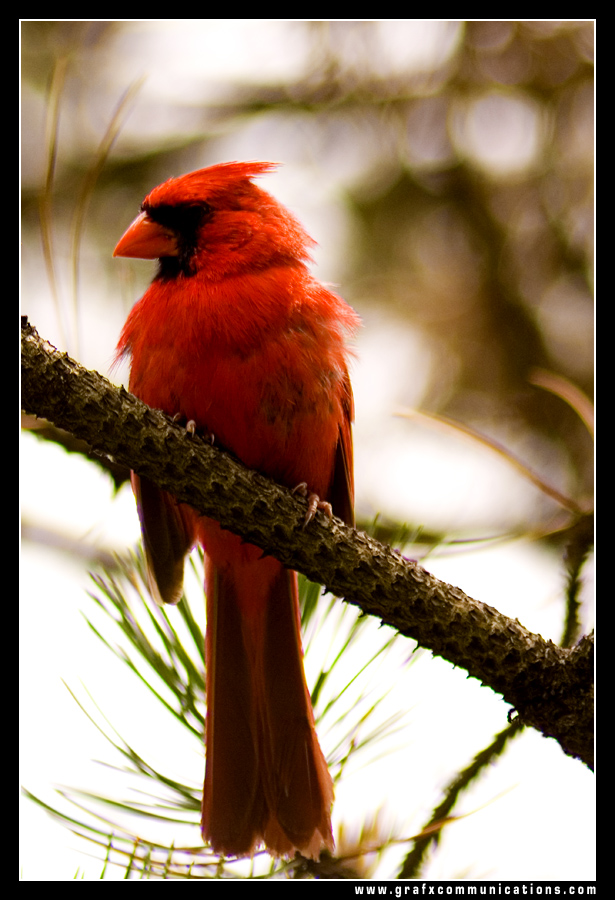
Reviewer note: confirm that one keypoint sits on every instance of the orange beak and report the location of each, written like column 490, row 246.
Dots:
column 145, row 239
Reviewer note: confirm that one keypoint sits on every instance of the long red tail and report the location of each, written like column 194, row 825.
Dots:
column 266, row 777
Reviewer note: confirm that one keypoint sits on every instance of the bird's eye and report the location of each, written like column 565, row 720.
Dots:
column 185, row 220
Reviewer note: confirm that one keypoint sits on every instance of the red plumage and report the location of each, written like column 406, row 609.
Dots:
column 235, row 334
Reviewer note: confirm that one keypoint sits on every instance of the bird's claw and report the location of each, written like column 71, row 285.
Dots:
column 314, row 503
column 191, row 428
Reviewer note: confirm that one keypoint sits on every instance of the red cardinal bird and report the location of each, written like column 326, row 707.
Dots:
column 235, row 335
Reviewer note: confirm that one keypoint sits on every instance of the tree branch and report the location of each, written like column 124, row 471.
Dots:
column 551, row 688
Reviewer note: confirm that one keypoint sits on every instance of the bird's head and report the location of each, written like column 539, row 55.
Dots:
column 216, row 223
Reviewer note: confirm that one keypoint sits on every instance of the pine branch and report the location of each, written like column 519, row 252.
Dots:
column 551, row 688
column 441, row 816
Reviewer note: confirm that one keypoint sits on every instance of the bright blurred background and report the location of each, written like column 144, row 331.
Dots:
column 446, row 170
